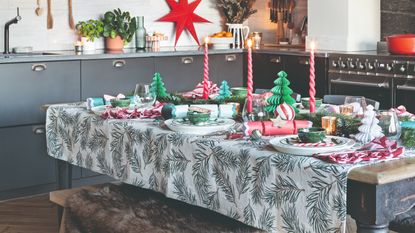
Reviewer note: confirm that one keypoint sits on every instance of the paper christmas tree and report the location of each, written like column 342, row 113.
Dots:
column 369, row 129
column 281, row 93
column 157, row 86
column 224, row 91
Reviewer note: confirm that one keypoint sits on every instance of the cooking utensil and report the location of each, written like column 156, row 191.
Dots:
column 401, row 44
column 71, row 20
column 38, row 10
column 49, row 17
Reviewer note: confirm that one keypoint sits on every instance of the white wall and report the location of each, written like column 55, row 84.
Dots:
column 31, row 30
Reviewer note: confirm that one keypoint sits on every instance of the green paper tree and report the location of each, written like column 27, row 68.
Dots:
column 157, row 86
column 281, row 93
column 224, row 91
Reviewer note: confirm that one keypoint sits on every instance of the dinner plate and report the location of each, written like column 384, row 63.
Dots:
column 291, row 145
column 101, row 109
column 184, row 126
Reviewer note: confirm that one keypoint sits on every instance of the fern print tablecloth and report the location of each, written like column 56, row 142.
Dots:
column 261, row 187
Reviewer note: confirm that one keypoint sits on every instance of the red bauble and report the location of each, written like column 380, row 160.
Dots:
column 182, row 13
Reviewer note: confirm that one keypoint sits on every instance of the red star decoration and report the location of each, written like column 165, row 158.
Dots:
column 182, row 13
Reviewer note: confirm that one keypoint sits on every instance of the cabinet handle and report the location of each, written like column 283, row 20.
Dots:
column 39, row 67
column 276, row 60
column 304, row 61
column 338, row 81
column 405, row 88
column 187, row 60
column 118, row 63
column 230, row 58
column 39, row 130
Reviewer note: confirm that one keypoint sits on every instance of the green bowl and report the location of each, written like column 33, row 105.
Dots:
column 198, row 118
column 311, row 135
column 306, row 102
column 239, row 91
column 121, row 102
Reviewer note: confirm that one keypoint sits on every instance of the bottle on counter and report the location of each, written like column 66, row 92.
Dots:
column 140, row 34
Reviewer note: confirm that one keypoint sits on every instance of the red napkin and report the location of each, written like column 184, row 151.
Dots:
column 125, row 113
column 197, row 93
column 402, row 112
column 378, row 149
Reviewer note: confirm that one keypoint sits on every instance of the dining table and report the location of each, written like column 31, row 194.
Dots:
column 240, row 178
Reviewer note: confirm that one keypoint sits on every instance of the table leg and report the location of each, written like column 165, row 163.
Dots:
column 364, row 228
column 63, row 181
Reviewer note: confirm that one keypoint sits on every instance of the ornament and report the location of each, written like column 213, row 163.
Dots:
column 256, row 135
column 285, row 112
column 281, row 93
column 157, row 86
column 224, row 91
column 182, row 13
column 369, row 129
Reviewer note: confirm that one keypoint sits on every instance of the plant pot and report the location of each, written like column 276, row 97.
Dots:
column 88, row 45
column 114, row 44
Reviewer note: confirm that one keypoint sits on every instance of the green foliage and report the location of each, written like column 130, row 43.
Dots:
column 281, row 93
column 224, row 91
column 119, row 23
column 157, row 86
column 408, row 137
column 90, row 29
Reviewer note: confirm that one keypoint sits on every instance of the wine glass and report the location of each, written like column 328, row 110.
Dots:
column 388, row 121
column 358, row 103
column 143, row 98
column 258, row 109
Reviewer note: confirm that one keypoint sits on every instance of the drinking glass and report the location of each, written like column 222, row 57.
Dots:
column 358, row 103
column 388, row 121
column 143, row 98
column 329, row 124
column 258, row 109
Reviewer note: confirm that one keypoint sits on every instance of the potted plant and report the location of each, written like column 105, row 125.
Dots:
column 119, row 29
column 89, row 31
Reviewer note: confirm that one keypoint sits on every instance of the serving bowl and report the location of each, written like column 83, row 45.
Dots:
column 120, row 102
column 198, row 118
column 311, row 135
column 306, row 102
column 401, row 44
column 221, row 42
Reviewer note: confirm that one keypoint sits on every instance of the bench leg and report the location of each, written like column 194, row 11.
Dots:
column 363, row 228
column 63, row 181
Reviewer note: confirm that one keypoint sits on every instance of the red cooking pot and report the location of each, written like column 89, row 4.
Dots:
column 401, row 44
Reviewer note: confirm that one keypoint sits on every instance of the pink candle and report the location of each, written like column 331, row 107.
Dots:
column 206, row 71
column 312, row 84
column 250, row 82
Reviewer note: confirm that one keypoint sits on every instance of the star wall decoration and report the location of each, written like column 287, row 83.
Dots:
column 182, row 14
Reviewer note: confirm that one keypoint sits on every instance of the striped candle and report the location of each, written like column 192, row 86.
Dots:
column 250, row 82
column 206, row 71
column 312, row 83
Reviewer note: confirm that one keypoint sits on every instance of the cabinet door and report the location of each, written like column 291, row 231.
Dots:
column 298, row 70
column 227, row 67
column 180, row 73
column 111, row 77
column 27, row 86
column 265, row 69
column 24, row 161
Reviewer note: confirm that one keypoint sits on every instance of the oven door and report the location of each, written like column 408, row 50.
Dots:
column 374, row 87
column 405, row 93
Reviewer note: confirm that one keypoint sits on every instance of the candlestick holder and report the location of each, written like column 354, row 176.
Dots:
column 329, row 124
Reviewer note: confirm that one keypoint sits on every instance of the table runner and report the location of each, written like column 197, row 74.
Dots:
column 261, row 187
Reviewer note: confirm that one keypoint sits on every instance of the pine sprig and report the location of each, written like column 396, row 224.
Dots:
column 291, row 222
column 236, row 11
column 183, row 193
column 261, row 172
column 266, row 220
column 224, row 183
column 283, row 190
column 243, row 177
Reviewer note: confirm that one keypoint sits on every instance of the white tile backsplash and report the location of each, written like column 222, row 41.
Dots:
column 31, row 30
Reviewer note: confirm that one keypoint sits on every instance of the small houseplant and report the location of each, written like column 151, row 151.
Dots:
column 89, row 31
column 119, row 29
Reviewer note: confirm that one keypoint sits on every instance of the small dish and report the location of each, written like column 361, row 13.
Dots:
column 120, row 102
column 239, row 92
column 306, row 102
column 198, row 118
column 311, row 135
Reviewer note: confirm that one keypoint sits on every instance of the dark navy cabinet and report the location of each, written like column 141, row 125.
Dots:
column 227, row 67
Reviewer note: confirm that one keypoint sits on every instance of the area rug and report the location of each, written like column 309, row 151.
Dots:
column 124, row 209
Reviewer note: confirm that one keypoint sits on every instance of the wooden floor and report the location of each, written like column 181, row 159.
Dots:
column 33, row 214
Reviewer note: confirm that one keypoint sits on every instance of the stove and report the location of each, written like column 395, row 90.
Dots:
column 382, row 77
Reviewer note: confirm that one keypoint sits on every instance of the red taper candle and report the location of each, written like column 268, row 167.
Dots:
column 312, row 84
column 250, row 82
column 206, row 71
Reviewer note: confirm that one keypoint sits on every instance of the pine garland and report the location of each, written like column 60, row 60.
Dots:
column 345, row 125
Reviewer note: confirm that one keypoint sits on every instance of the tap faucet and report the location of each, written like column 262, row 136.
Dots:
column 6, row 31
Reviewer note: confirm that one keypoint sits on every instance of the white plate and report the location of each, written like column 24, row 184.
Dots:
column 184, row 126
column 281, row 144
column 101, row 109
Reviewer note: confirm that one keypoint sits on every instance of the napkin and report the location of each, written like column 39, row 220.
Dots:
column 378, row 149
column 197, row 93
column 402, row 112
column 125, row 113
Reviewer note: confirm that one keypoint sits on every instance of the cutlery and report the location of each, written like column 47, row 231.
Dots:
column 38, row 10
column 71, row 20
column 49, row 17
